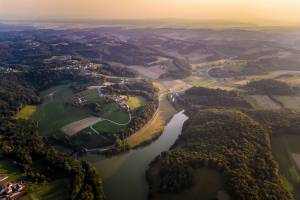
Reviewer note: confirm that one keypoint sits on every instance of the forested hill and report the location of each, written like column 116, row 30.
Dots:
column 205, row 97
column 228, row 141
column 270, row 87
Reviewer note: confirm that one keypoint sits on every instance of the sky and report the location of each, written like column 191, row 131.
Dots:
column 253, row 11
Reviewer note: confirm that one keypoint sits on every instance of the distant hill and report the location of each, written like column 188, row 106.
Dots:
column 269, row 87
column 205, row 97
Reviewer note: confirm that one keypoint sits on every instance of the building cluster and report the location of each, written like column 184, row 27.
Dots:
column 122, row 102
column 12, row 190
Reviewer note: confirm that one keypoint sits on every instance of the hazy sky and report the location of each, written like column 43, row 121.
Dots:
column 238, row 10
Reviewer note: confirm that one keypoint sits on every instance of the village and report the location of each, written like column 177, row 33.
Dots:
column 11, row 190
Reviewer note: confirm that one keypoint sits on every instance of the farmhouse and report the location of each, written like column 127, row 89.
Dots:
column 122, row 103
column 11, row 190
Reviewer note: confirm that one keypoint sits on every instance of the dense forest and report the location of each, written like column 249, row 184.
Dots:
column 228, row 141
column 21, row 141
column 116, row 70
column 269, row 87
column 205, row 97
column 278, row 121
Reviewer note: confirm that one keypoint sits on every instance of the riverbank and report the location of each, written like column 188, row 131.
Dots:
column 155, row 126
column 124, row 174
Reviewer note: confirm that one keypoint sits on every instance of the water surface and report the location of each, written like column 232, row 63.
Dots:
column 124, row 175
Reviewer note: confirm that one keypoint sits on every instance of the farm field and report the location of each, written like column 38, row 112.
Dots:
column 289, row 102
column 108, row 127
column 283, row 148
column 56, row 111
column 75, row 127
column 26, row 112
column 262, row 102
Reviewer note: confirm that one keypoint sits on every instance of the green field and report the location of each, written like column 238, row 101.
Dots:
column 26, row 112
column 56, row 111
column 282, row 147
column 91, row 95
column 108, row 127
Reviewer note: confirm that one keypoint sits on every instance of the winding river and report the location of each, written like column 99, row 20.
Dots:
column 124, row 175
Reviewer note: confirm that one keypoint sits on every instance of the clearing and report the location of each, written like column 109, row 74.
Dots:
column 26, row 112
column 262, row 102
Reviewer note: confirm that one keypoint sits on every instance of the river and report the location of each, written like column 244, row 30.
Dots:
column 124, row 175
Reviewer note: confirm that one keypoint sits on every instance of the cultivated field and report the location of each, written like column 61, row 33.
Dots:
column 75, row 127
column 262, row 102
column 289, row 102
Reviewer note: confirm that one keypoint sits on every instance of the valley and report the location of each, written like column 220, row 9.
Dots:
column 114, row 97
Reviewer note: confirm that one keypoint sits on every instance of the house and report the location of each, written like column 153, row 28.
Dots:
column 11, row 190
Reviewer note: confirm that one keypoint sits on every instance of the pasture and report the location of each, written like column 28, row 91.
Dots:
column 262, row 102
column 57, row 111
column 108, row 127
